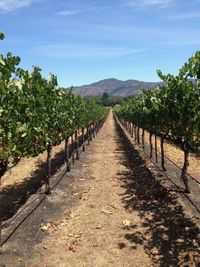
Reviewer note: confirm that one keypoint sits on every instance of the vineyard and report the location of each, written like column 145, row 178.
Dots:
column 112, row 205
column 36, row 114
column 171, row 112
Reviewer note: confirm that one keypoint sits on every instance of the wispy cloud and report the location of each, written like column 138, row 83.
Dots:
column 120, row 32
column 109, row 72
column 184, row 43
column 191, row 15
column 68, row 12
column 77, row 8
column 149, row 3
column 59, row 51
column 11, row 5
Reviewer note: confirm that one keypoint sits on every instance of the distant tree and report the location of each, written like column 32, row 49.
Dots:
column 105, row 99
column 105, row 95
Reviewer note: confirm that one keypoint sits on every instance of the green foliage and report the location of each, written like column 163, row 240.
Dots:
column 2, row 35
column 34, row 111
column 109, row 101
column 173, row 109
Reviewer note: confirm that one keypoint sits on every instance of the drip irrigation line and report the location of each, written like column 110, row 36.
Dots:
column 166, row 157
column 43, row 194
column 168, row 177
column 175, row 164
column 20, row 223
column 13, row 218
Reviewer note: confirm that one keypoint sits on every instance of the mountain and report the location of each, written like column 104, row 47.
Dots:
column 114, row 87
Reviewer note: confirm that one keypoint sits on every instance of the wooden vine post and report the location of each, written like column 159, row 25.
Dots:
column 67, row 154
column 143, row 134
column 151, row 145
column 48, row 163
column 156, row 148
column 77, row 145
column 185, row 167
column 83, row 139
column 162, row 153
column 72, row 146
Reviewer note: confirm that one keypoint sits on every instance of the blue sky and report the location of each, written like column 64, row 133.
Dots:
column 83, row 41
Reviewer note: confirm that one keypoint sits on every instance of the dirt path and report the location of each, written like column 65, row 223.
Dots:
column 123, row 219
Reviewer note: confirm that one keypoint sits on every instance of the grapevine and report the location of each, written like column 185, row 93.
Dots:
column 171, row 111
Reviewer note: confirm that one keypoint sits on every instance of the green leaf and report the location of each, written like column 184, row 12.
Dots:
column 2, row 35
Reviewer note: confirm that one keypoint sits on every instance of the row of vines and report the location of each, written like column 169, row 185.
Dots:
column 35, row 114
column 171, row 111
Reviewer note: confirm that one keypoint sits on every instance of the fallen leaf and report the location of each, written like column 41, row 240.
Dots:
column 154, row 251
column 48, row 226
column 70, row 235
column 114, row 206
column 73, row 248
column 63, row 223
column 78, row 235
column 126, row 223
column 106, row 211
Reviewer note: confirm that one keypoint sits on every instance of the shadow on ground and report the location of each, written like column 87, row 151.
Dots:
column 168, row 237
column 14, row 196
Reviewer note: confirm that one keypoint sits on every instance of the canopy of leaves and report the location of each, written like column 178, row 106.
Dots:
column 173, row 109
column 34, row 111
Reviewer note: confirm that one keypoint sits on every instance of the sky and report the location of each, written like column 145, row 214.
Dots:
column 84, row 41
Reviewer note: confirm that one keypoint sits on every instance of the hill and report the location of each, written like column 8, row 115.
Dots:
column 114, row 87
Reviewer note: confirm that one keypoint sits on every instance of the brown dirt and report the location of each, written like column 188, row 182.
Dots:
column 176, row 154
column 25, row 169
column 24, row 179
column 125, row 219
column 96, row 229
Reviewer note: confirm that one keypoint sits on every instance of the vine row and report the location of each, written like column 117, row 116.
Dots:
column 171, row 111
